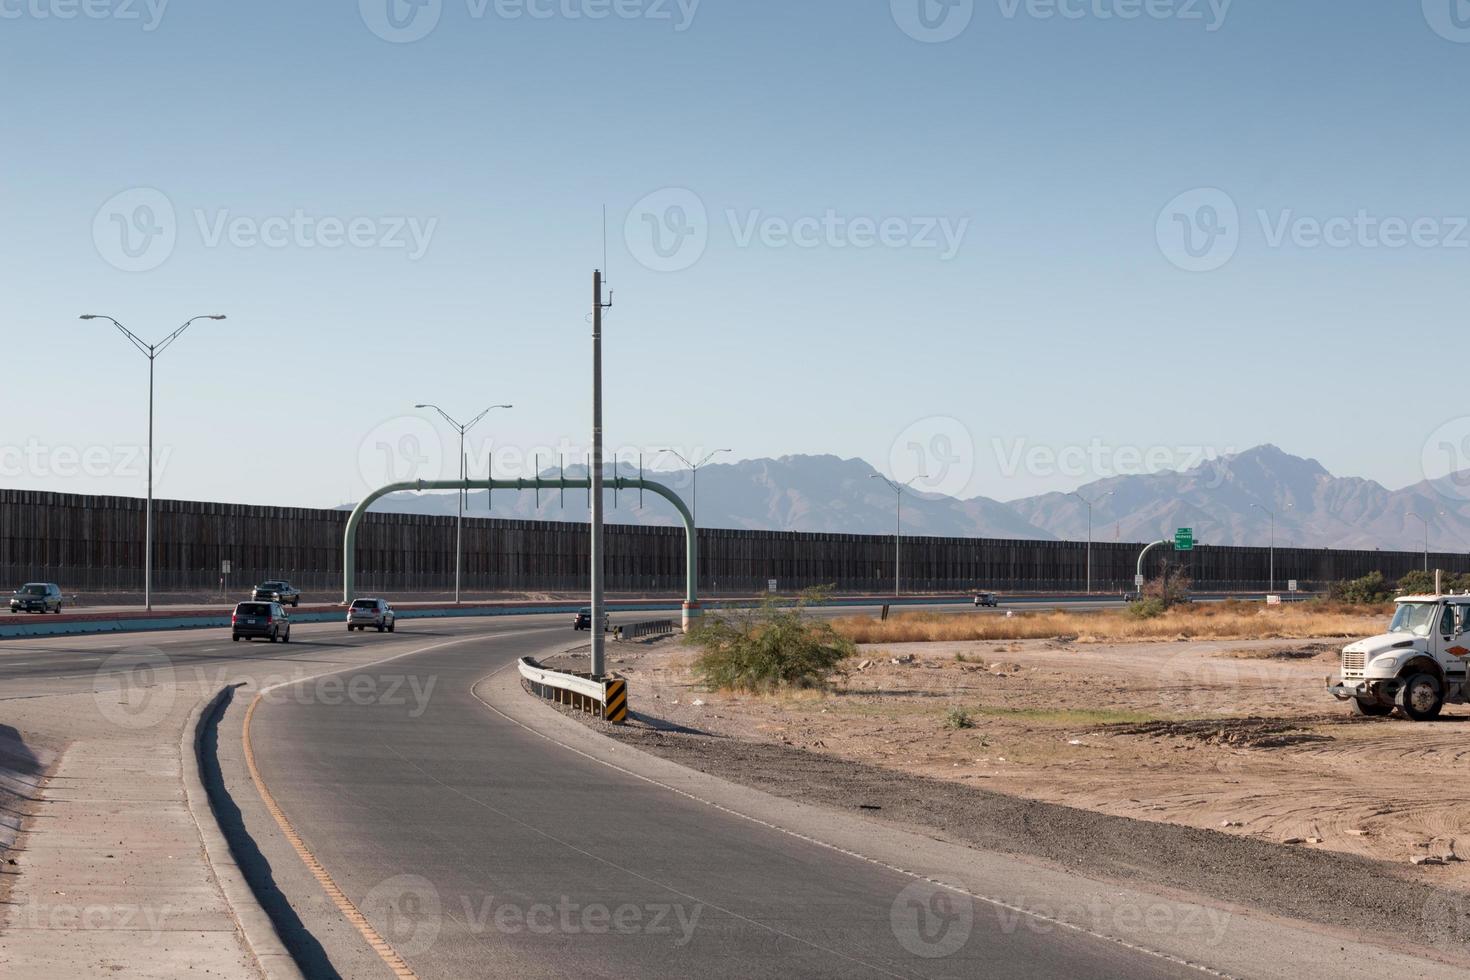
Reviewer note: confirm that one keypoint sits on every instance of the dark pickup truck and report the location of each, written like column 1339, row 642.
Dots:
column 283, row 592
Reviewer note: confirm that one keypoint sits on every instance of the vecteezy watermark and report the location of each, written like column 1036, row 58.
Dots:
column 134, row 688
column 399, row 450
column 361, row 688
column 932, row 21
column 1450, row 19
column 930, row 920
column 1210, row 14
column 937, row 21
column 409, row 912
column 147, row 13
column 137, row 230
column 1124, row 919
column 670, row 229
column 36, row 459
column 1098, row 460
column 1446, row 459
column 143, row 923
column 1201, row 230
column 406, row 21
column 935, row 454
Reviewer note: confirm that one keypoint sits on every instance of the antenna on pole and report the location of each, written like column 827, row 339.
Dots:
column 597, row 665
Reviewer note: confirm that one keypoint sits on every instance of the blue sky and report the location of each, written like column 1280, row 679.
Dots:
column 960, row 256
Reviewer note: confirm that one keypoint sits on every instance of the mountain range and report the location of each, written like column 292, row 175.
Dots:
column 1228, row 501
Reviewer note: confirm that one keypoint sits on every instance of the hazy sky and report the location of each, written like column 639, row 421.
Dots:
column 1019, row 245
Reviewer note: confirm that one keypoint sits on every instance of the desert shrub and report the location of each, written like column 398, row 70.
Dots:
column 769, row 647
column 1369, row 590
column 1170, row 589
column 1420, row 582
column 958, row 718
column 1150, row 607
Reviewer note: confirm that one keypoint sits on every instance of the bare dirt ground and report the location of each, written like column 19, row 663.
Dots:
column 1237, row 737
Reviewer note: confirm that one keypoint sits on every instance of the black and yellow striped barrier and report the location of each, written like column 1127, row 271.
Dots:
column 615, row 708
column 604, row 697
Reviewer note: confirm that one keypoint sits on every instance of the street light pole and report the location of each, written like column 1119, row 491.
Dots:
column 150, row 351
column 897, row 488
column 1272, row 586
column 1089, row 504
column 694, row 468
column 463, row 475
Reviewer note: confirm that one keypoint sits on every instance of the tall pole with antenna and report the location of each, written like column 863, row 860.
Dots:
column 598, row 664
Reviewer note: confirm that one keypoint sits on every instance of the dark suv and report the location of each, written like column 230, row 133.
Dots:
column 41, row 597
column 266, row 620
column 584, row 620
column 283, row 592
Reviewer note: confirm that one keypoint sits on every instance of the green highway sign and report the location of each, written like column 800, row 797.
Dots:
column 1184, row 539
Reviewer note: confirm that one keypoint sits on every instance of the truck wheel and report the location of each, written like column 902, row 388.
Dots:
column 1421, row 697
column 1370, row 709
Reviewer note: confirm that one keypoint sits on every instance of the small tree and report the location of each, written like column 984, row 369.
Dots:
column 770, row 646
column 1420, row 582
column 1171, row 587
column 1370, row 590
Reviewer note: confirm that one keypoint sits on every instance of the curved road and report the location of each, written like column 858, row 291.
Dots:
column 479, row 849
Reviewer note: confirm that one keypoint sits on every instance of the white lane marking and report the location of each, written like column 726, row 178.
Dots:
column 397, row 656
column 997, row 902
column 591, row 856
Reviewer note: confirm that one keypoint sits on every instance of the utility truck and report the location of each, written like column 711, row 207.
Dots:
column 1418, row 666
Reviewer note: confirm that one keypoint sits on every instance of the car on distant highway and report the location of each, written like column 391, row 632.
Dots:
column 283, row 592
column 371, row 612
column 986, row 599
column 584, row 620
column 260, row 620
column 40, row 597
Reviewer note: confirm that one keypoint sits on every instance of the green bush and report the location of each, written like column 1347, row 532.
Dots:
column 769, row 647
column 1370, row 590
column 958, row 718
column 1373, row 589
column 1150, row 607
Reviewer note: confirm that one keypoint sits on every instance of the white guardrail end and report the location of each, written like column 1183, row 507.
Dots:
column 607, row 698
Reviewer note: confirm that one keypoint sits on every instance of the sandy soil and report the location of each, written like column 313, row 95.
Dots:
column 1234, row 736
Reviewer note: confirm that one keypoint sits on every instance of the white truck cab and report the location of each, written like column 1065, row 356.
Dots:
column 1416, row 667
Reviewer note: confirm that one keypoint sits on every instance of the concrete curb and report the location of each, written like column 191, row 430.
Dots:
column 276, row 963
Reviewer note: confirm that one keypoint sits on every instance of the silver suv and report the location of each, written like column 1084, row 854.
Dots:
column 371, row 612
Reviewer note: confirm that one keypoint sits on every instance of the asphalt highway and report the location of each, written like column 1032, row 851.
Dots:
column 481, row 850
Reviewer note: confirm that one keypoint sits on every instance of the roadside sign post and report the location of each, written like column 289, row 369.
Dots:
column 1184, row 539
column 771, row 585
column 1291, row 585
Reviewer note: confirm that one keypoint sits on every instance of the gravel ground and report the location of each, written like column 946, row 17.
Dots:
column 1341, row 890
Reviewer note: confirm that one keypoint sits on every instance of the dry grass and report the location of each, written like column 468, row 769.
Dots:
column 1215, row 621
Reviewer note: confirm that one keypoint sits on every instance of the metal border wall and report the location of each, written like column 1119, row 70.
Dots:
column 94, row 543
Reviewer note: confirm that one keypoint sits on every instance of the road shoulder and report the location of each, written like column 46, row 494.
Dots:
column 1221, row 937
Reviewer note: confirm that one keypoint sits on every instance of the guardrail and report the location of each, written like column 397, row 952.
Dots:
column 652, row 627
column 603, row 697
